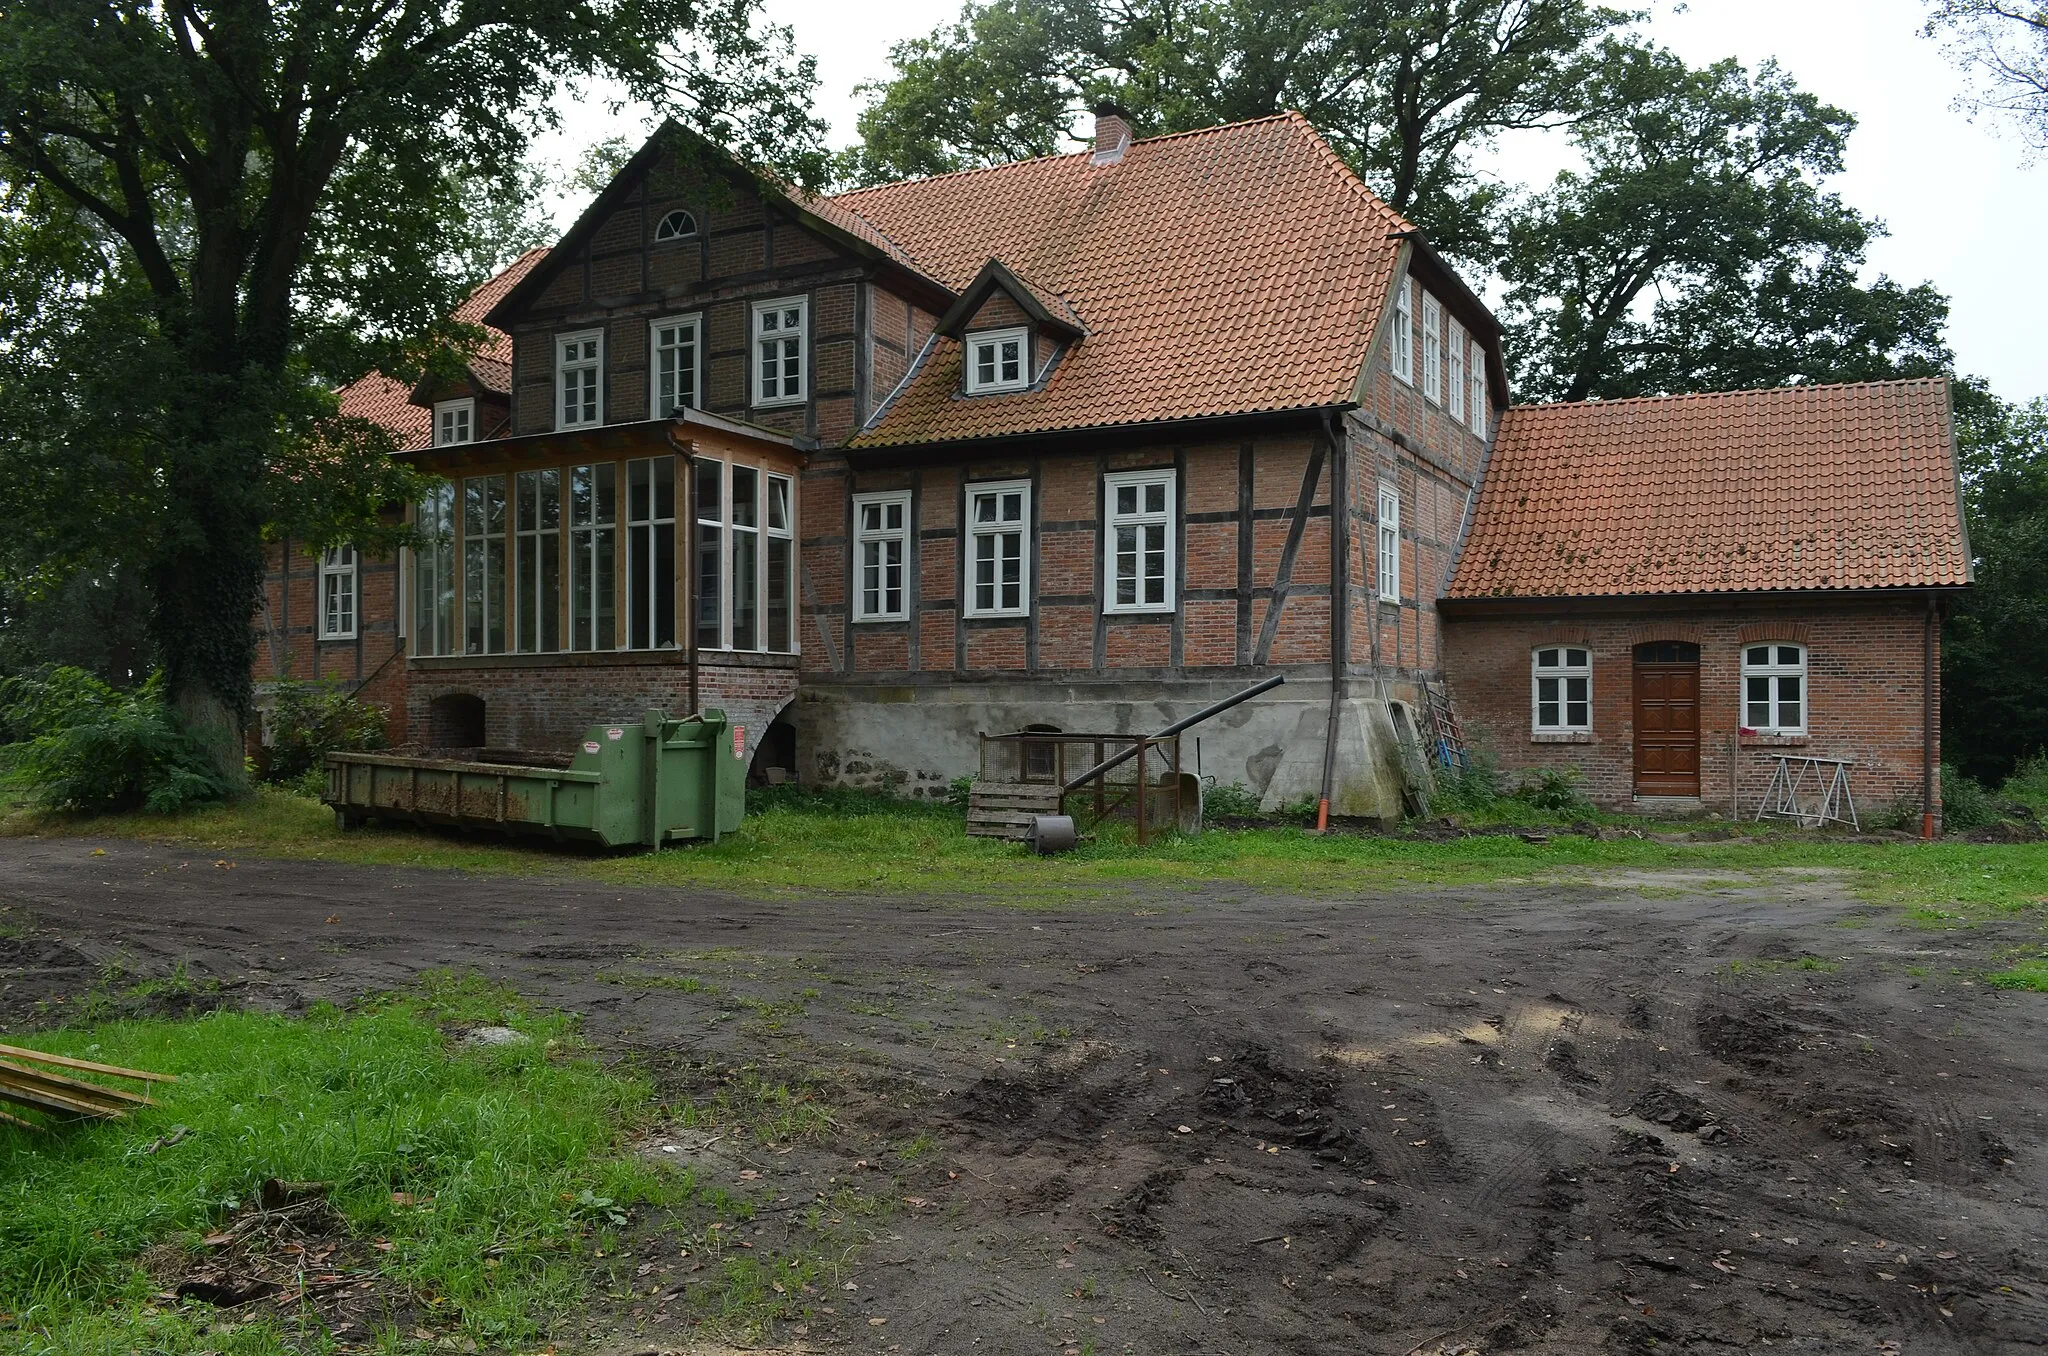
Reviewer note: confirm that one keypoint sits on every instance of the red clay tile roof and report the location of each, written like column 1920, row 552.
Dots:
column 1802, row 487
column 381, row 400
column 1227, row 271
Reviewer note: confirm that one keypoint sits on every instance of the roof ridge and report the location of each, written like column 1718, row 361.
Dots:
column 1784, row 388
column 1343, row 167
column 1071, row 155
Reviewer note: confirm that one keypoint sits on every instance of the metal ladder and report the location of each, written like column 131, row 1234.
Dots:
column 1447, row 736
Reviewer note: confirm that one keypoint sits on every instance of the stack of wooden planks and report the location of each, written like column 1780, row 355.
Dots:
column 25, row 1081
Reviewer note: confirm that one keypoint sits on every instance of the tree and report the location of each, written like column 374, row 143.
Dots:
column 1405, row 89
column 228, row 205
column 2004, row 44
column 1995, row 652
column 1696, row 248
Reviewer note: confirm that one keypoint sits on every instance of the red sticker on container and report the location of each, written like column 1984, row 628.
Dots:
column 590, row 746
column 739, row 741
column 615, row 733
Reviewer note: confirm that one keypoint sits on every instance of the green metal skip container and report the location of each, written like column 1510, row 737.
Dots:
column 643, row 783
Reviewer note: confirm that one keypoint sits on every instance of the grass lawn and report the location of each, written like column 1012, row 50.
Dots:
column 825, row 844
column 480, row 1188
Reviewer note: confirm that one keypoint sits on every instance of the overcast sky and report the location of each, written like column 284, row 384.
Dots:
column 1963, row 207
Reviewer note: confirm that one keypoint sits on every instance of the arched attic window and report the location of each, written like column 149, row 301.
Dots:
column 677, row 225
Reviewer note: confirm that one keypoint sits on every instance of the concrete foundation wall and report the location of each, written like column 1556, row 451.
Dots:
column 914, row 740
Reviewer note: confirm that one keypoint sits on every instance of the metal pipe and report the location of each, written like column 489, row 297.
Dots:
column 1215, row 709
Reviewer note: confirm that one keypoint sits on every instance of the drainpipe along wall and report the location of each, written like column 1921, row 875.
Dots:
column 1340, row 601
column 1927, row 679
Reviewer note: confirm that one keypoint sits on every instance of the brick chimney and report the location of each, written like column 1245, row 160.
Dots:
column 1112, row 133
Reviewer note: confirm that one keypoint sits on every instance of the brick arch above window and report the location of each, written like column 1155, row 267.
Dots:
column 1792, row 632
column 1691, row 633
column 1561, row 635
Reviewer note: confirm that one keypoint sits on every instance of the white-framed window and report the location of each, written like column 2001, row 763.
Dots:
column 579, row 379
column 781, row 332
column 676, row 346
column 651, row 553
column 1401, row 352
column 999, row 549
column 537, row 560
column 433, row 573
column 593, row 556
column 454, row 422
column 1432, row 348
column 1390, row 544
column 881, row 548
column 1138, row 541
column 483, row 565
column 1454, row 369
column 676, row 225
column 998, row 360
column 1774, row 688
column 779, row 631
column 1561, row 689
column 746, row 557
column 1477, row 401
column 338, row 593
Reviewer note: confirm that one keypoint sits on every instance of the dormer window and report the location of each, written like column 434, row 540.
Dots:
column 454, row 422
column 996, row 361
column 677, row 225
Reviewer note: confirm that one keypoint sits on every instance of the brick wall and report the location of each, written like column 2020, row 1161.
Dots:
column 1252, row 571
column 288, row 641
column 1865, row 673
column 547, row 705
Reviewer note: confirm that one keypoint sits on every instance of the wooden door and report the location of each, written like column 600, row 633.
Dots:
column 1667, row 719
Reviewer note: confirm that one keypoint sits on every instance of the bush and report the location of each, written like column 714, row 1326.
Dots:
column 85, row 746
column 1235, row 801
column 310, row 720
column 1466, row 790
column 1964, row 803
column 1554, row 790
column 2028, row 784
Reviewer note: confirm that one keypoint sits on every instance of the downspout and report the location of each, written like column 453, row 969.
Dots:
column 1927, row 727
column 686, row 501
column 1340, row 602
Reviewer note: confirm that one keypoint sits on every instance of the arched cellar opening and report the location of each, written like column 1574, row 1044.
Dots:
column 775, row 756
column 455, row 720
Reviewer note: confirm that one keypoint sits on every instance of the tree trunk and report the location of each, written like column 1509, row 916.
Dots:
column 208, row 573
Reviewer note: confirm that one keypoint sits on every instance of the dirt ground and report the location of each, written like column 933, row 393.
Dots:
column 1615, row 1118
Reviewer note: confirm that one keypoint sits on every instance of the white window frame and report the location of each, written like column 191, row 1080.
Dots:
column 339, row 582
column 1432, row 348
column 1388, row 581
column 1477, row 401
column 1563, row 672
column 694, row 321
column 564, row 366
column 880, row 537
column 980, row 339
column 1454, row 369
column 446, row 413
column 1168, row 518
column 996, row 530
column 661, row 226
column 1401, row 352
column 770, row 535
column 1771, row 673
column 783, row 397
